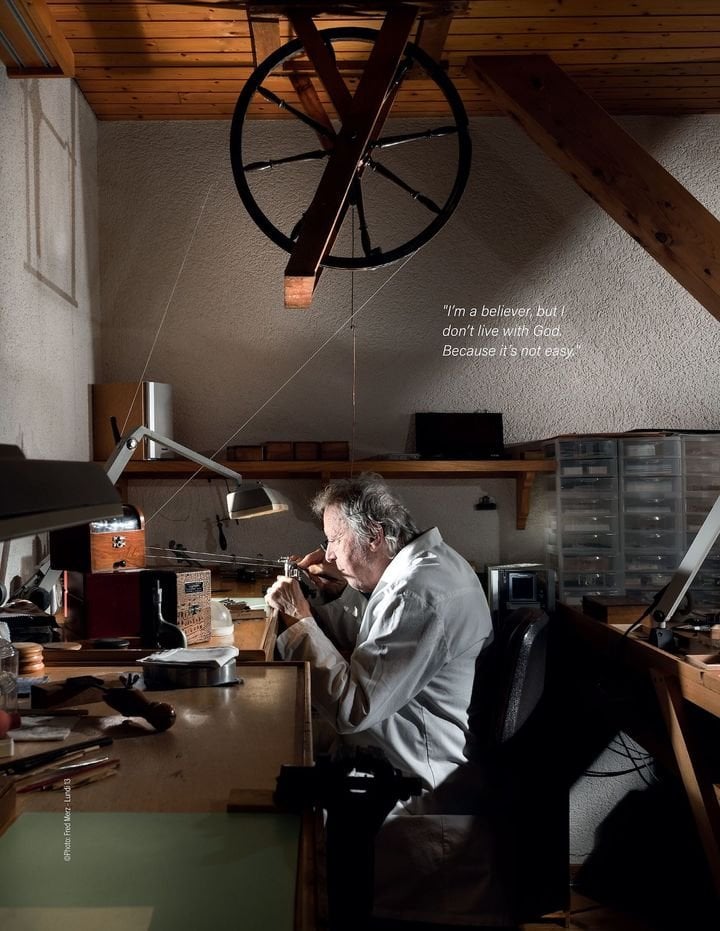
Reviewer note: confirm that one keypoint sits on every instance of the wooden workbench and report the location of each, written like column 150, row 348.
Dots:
column 254, row 638
column 224, row 739
column 227, row 745
column 677, row 683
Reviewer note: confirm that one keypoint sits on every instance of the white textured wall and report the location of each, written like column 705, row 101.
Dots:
column 523, row 234
column 49, row 292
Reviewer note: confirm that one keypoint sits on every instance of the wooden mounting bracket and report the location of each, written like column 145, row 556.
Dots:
column 264, row 35
column 362, row 114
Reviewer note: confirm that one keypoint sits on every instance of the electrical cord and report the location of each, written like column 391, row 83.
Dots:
column 640, row 762
column 630, row 753
column 611, row 773
column 637, row 764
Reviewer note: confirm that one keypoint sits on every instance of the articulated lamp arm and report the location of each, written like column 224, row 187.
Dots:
column 128, row 444
column 670, row 599
column 247, row 499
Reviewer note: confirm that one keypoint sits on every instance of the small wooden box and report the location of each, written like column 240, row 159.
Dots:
column 336, row 450
column 613, row 609
column 193, row 597
column 306, row 452
column 101, row 546
column 122, row 604
column 278, row 451
column 244, row 453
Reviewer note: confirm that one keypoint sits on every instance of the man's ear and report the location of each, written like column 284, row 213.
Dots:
column 378, row 538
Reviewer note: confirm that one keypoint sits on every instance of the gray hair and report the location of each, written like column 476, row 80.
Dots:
column 367, row 504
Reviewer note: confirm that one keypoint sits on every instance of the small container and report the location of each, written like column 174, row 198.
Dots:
column 8, row 676
column 586, row 448
column 220, row 619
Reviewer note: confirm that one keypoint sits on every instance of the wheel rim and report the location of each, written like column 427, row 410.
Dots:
column 379, row 257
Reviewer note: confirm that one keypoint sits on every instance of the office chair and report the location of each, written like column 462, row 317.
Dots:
column 521, row 658
column 504, row 745
column 524, row 750
column 509, row 682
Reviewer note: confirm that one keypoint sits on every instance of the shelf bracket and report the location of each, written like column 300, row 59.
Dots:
column 523, row 487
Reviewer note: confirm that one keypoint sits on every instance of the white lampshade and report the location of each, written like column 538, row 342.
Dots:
column 253, row 499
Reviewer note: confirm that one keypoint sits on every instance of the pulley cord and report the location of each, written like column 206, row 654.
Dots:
column 284, row 385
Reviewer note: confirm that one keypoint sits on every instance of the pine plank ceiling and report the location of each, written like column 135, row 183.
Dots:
column 158, row 60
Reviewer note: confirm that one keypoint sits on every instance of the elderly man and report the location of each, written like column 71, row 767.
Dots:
column 392, row 656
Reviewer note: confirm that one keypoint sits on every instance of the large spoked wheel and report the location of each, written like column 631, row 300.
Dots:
column 400, row 197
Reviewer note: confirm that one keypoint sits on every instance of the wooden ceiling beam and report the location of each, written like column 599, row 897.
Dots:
column 32, row 43
column 361, row 115
column 354, row 7
column 611, row 167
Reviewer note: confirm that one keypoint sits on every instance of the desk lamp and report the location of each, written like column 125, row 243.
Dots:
column 248, row 499
column 674, row 592
column 43, row 494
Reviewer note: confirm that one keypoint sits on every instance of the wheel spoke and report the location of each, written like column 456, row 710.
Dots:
column 386, row 142
column 298, row 114
column 356, row 198
column 314, row 154
column 416, row 195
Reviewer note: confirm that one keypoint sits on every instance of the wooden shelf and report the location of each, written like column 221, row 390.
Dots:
column 522, row 470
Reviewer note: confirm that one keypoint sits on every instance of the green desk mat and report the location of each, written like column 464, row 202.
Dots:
column 149, row 872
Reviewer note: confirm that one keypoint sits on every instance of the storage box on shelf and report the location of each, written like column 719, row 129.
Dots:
column 651, row 512
column 583, row 535
column 701, row 455
column 625, row 511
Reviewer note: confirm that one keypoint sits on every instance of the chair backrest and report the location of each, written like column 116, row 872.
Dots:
column 521, row 661
column 509, row 679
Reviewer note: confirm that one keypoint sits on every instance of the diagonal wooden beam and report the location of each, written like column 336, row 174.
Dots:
column 313, row 106
column 610, row 166
column 321, row 57
column 359, row 120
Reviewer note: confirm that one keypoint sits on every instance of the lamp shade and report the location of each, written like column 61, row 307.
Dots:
column 253, row 499
column 44, row 494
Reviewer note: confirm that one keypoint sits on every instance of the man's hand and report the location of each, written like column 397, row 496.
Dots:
column 286, row 596
column 325, row 576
